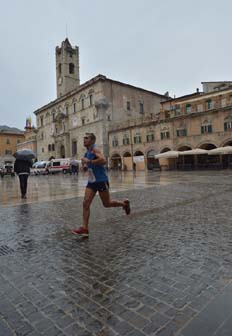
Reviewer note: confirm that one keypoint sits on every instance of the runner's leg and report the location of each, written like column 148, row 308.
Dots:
column 88, row 198
column 107, row 202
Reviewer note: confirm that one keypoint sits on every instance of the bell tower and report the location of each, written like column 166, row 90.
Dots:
column 67, row 68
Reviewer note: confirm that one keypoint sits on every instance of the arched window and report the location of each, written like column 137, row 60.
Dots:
column 49, row 148
column 71, row 68
column 60, row 68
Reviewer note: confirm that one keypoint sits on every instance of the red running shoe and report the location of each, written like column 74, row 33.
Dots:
column 126, row 206
column 81, row 232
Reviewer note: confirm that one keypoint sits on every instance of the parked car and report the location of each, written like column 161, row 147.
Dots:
column 7, row 169
column 58, row 165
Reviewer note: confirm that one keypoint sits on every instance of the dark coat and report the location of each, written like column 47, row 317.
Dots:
column 22, row 166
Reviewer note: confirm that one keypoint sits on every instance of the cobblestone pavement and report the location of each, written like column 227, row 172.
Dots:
column 163, row 270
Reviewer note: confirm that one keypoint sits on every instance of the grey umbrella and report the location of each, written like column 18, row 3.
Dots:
column 74, row 163
column 24, row 154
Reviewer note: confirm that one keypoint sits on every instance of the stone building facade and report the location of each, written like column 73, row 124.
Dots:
column 10, row 137
column 90, row 107
column 199, row 120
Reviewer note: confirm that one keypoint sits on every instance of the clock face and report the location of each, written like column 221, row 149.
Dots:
column 60, row 80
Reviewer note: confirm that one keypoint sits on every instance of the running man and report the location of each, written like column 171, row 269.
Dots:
column 94, row 162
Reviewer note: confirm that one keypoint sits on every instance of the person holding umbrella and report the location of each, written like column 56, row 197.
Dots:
column 22, row 166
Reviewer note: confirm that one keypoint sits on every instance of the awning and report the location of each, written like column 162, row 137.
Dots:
column 196, row 151
column 167, row 155
column 221, row 150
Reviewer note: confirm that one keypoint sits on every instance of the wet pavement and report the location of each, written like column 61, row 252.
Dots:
column 163, row 270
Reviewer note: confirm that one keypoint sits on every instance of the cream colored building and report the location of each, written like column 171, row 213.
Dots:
column 200, row 120
column 93, row 106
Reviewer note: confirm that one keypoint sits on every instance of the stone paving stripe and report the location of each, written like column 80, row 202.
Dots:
column 4, row 250
column 212, row 316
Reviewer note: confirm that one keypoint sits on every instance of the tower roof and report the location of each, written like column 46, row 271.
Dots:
column 67, row 43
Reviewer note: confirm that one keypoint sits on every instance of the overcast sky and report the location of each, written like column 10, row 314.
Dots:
column 158, row 45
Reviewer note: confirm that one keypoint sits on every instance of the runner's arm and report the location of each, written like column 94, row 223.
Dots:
column 100, row 158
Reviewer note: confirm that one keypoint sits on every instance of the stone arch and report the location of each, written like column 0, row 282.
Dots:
column 152, row 163
column 165, row 149
column 184, row 148
column 127, row 161
column 116, row 161
column 138, row 160
column 185, row 162
column 138, row 153
column 227, row 159
column 227, row 142
column 126, row 154
column 207, row 146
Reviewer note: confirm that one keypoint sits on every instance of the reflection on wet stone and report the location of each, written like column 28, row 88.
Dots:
column 150, row 273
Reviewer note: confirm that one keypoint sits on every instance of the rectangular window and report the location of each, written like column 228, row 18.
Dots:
column 115, row 142
column 126, row 141
column 53, row 147
column 181, row 132
column 82, row 103
column 18, row 141
column 91, row 100
column 210, row 104
column 150, row 137
column 141, row 108
column 228, row 126
column 66, row 109
column 164, row 135
column 206, row 129
column 188, row 108
column 74, row 107
column 199, row 108
column 177, row 111
column 137, row 139
column 56, row 163
column 7, row 141
column 8, row 152
column 83, row 121
column 128, row 106
column 74, row 148
column 41, row 121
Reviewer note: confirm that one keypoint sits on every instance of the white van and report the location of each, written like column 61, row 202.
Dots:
column 58, row 165
column 39, row 168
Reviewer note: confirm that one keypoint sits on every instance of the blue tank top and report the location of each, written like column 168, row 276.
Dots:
column 97, row 173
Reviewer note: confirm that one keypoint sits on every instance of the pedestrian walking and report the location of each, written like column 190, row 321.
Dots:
column 22, row 169
column 94, row 161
